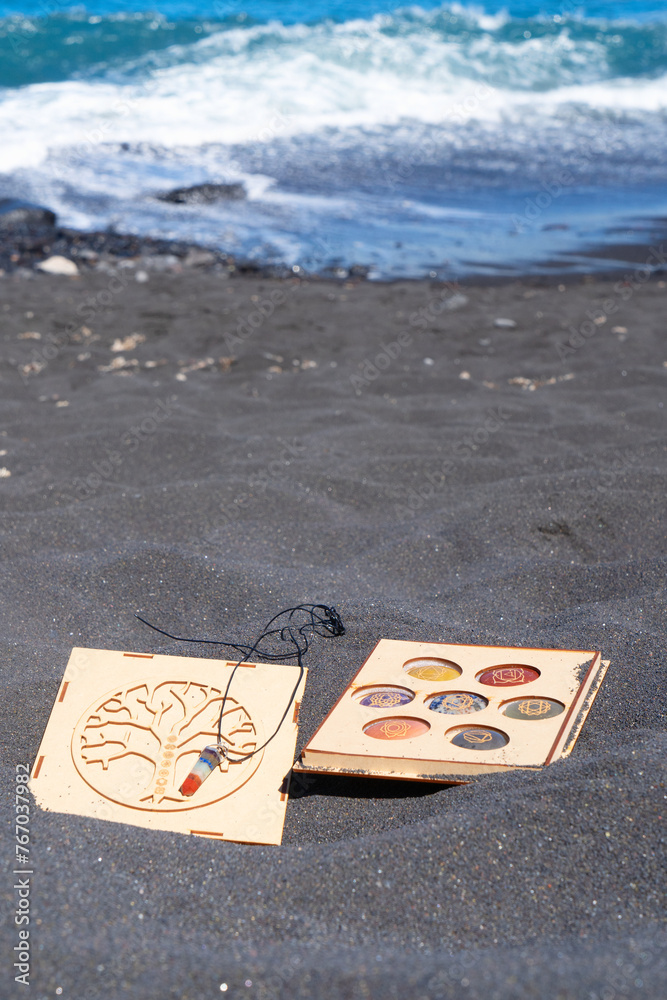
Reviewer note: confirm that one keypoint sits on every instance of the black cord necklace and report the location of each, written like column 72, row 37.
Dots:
column 319, row 620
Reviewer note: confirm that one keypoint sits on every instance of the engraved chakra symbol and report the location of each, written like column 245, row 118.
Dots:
column 477, row 736
column 135, row 746
column 395, row 730
column 458, row 702
column 427, row 673
column 462, row 701
column 385, row 699
column 480, row 739
column 509, row 675
column 534, row 708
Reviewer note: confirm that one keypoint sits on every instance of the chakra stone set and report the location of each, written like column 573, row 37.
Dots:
column 156, row 741
column 441, row 712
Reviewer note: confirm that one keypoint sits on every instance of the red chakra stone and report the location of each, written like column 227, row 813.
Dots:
column 190, row 785
column 509, row 675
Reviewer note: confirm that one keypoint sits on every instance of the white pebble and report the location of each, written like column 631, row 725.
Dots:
column 58, row 265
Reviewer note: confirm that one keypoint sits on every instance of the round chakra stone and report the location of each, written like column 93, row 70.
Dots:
column 457, row 703
column 385, row 697
column 533, row 708
column 479, row 738
column 509, row 675
column 396, row 729
column 431, row 668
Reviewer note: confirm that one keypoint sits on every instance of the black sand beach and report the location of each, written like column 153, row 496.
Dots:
column 390, row 450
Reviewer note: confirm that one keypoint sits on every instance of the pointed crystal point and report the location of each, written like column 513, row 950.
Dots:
column 208, row 760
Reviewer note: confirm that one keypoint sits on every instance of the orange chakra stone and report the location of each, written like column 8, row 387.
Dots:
column 396, row 729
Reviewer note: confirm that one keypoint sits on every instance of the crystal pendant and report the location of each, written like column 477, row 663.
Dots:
column 208, row 760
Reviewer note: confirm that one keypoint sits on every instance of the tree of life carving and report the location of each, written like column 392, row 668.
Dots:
column 135, row 746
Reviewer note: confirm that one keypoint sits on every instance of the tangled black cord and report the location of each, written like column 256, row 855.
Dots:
column 320, row 620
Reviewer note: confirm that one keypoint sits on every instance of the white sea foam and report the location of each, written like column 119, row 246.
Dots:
column 412, row 144
column 251, row 85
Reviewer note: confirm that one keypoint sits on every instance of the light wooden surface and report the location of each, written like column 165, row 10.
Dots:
column 568, row 677
column 126, row 728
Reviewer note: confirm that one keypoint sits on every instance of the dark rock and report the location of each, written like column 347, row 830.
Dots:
column 24, row 229
column 21, row 215
column 204, row 194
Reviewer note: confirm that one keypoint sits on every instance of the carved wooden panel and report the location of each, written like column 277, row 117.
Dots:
column 126, row 729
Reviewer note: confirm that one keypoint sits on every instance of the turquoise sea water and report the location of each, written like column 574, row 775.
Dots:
column 447, row 138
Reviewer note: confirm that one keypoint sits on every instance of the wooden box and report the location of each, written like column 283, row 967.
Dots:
column 126, row 729
column 443, row 712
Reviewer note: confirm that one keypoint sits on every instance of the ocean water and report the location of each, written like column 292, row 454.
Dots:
column 439, row 138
